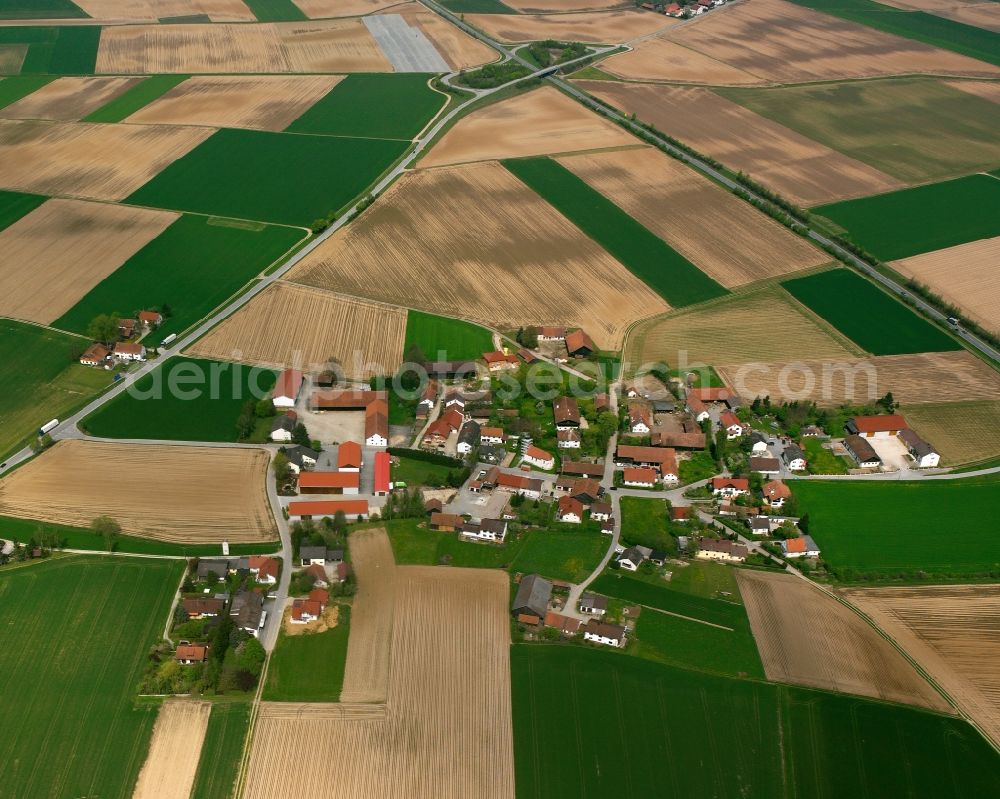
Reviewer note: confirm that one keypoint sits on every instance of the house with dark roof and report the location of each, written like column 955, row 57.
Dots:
column 468, row 438
column 721, row 549
column 794, row 458
column 300, row 458
column 593, row 604
column 566, row 412
column 633, row 557
column 862, row 452
column 923, row 454
column 247, row 612
column 601, row 633
column 769, row 467
column 532, row 597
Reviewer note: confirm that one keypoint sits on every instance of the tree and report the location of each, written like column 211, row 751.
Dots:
column 888, row 402
column 104, row 328
column 108, row 529
column 246, row 423
column 300, row 435
column 250, row 656
column 282, row 470
column 264, row 409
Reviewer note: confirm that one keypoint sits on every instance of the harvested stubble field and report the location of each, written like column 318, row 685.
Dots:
column 953, row 632
column 541, row 122
column 322, row 9
column 914, row 129
column 12, row 58
column 476, row 257
column 323, row 46
column 174, row 752
column 440, row 735
column 836, row 650
column 69, row 99
column 723, row 236
column 153, row 10
column 804, row 170
column 61, row 250
column 293, row 325
column 235, row 101
column 912, row 379
column 982, row 15
column 589, row 26
column 169, row 493
column 787, row 43
column 964, row 275
column 460, row 50
column 963, row 432
column 100, row 162
column 659, row 58
column 988, row 90
column 706, row 334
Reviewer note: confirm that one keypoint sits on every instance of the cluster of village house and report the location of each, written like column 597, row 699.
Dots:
column 128, row 349
column 683, row 10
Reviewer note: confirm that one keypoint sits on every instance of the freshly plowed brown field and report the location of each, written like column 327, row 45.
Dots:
column 598, row 27
column 99, row 162
column 784, row 42
column 234, row 101
column 737, row 330
column 963, row 432
column 152, row 10
column 456, row 47
column 803, row 170
column 953, row 632
column 563, row 6
column 366, row 675
column 988, row 90
column 293, row 325
column 720, row 234
column 659, row 58
column 982, row 15
column 542, row 122
column 339, row 45
column 806, row 637
column 62, row 249
column 430, row 242
column 439, row 735
column 321, row 9
column 964, row 275
column 172, row 762
column 68, row 99
column 912, row 379
column 195, row 495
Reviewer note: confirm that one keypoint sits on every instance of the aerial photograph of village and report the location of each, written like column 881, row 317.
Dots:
column 499, row 399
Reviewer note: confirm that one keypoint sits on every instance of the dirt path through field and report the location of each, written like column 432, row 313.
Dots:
column 172, row 762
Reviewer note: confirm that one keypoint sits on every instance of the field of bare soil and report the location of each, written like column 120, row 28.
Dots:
column 598, row 27
column 964, row 275
column 270, row 102
column 731, row 331
column 720, row 234
column 784, row 42
column 293, row 325
column 802, row 169
column 912, row 379
column 321, row 9
column 541, row 122
column 806, row 637
column 988, row 90
column 440, row 734
column 963, row 432
column 340, row 45
column 659, row 58
column 953, row 632
column 513, row 261
column 172, row 762
column 99, row 162
column 458, row 48
column 68, row 99
column 196, row 495
column 982, row 15
column 62, row 249
column 152, row 10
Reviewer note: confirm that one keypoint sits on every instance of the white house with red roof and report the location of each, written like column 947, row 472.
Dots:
column 729, row 486
column 732, row 425
column 535, row 456
column 287, row 388
column 382, row 482
column 570, row 510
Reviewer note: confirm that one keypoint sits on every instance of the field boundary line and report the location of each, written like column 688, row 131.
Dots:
column 688, row 618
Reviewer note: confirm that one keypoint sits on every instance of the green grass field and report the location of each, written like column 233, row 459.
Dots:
column 925, row 218
column 77, row 632
column 24, row 530
column 451, row 339
column 905, row 527
column 688, row 644
column 561, row 555
column 221, row 751
column 868, row 316
column 139, row 96
column 246, row 174
column 917, row 25
column 66, row 50
column 309, row 668
column 40, row 9
column 194, row 266
column 14, row 204
column 13, row 89
column 416, row 471
column 651, row 259
column 275, row 10
column 627, row 728
column 822, row 460
column 185, row 399
column 477, row 7
column 414, row 546
column 917, row 130
column 41, row 378
column 383, row 106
